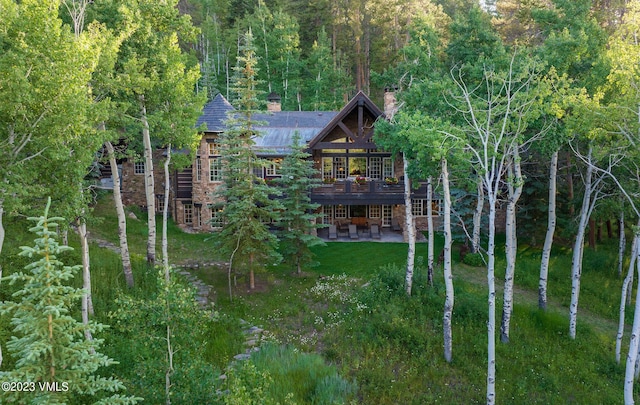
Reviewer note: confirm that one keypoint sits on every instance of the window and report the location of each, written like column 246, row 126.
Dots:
column 138, row 168
column 213, row 148
column 386, row 215
column 357, row 166
column 273, row 168
column 197, row 216
column 327, row 214
column 358, row 211
column 215, row 169
column 419, row 207
column 327, row 168
column 435, row 207
column 375, row 168
column 159, row 202
column 341, row 211
column 375, row 211
column 216, row 218
column 198, row 169
column 387, row 167
column 340, row 167
column 188, row 213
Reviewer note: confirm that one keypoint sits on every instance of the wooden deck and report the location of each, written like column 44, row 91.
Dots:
column 372, row 192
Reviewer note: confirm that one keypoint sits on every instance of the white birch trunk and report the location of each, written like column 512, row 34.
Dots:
column 448, row 276
column 411, row 231
column 477, row 219
column 632, row 355
column 122, row 218
column 149, row 185
column 511, row 245
column 576, row 262
column 169, row 373
column 491, row 324
column 548, row 240
column 622, row 243
column 626, row 286
column 430, row 242
column 165, row 215
column 86, row 303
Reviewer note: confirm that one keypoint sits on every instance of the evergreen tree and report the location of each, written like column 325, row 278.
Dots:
column 297, row 219
column 48, row 344
column 245, row 235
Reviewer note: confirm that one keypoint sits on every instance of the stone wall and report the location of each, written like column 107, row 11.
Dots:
column 133, row 184
column 203, row 192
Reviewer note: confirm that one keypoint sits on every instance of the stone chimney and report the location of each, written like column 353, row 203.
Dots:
column 273, row 102
column 390, row 107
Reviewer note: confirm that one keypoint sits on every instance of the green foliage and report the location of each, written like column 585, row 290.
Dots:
column 474, row 259
column 49, row 344
column 474, row 44
column 151, row 71
column 325, row 83
column 573, row 42
column 278, row 50
column 297, row 221
column 284, row 375
column 47, row 113
column 140, row 328
column 248, row 203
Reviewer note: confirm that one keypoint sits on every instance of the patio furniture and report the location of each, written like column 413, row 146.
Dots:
column 343, row 228
column 395, row 226
column 353, row 232
column 333, row 232
column 375, row 231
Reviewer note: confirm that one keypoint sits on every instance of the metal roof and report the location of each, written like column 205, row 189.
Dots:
column 280, row 127
column 276, row 128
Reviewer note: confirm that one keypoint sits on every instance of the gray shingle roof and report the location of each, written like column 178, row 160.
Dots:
column 214, row 114
column 278, row 129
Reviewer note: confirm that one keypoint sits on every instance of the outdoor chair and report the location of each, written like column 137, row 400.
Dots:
column 333, row 232
column 395, row 226
column 375, row 231
column 353, row 232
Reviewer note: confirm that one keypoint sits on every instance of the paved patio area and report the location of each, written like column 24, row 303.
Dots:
column 386, row 235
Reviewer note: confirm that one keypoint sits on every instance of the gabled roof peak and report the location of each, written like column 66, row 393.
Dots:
column 214, row 114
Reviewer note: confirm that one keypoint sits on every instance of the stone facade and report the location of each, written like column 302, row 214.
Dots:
column 132, row 178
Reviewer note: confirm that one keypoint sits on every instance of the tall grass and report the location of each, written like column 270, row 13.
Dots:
column 394, row 351
column 293, row 377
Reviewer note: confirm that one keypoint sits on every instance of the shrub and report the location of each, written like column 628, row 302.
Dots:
column 140, row 328
column 474, row 259
column 279, row 374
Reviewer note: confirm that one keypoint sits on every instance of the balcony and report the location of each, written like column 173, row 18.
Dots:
column 371, row 192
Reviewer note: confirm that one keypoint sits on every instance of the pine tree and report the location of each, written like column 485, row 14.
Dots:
column 48, row 343
column 297, row 221
column 245, row 236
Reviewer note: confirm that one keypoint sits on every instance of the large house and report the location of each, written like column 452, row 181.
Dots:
column 362, row 184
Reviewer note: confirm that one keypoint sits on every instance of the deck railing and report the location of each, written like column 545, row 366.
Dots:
column 371, row 186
